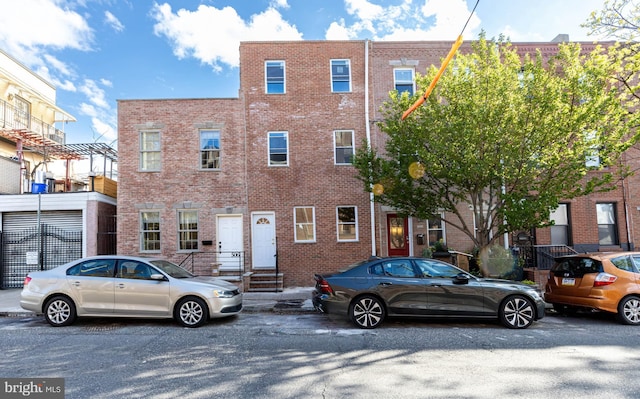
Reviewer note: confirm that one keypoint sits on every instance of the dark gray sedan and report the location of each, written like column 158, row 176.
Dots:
column 369, row 291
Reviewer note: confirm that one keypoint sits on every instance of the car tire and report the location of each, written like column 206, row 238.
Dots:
column 629, row 310
column 191, row 312
column 367, row 312
column 517, row 311
column 60, row 311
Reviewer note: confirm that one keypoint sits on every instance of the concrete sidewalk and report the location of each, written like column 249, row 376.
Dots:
column 289, row 300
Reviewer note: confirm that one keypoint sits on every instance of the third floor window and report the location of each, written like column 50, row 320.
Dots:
column 274, row 76
column 340, row 76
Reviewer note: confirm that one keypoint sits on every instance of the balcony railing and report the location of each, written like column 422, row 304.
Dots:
column 15, row 119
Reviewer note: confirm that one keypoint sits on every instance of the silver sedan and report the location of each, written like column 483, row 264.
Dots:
column 127, row 286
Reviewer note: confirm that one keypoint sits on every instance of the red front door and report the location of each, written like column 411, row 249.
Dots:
column 397, row 235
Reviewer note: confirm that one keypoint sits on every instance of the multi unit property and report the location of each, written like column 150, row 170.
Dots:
column 261, row 188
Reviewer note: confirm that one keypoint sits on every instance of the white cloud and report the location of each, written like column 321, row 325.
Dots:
column 433, row 20
column 88, row 109
column 95, row 94
column 60, row 66
column 213, row 35
column 280, row 4
column 57, row 26
column 105, row 131
column 338, row 31
column 113, row 22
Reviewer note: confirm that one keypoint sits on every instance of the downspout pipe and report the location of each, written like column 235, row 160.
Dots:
column 368, row 132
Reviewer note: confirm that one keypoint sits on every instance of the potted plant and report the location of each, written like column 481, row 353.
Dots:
column 441, row 252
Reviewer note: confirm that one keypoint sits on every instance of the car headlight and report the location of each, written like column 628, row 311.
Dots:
column 535, row 294
column 222, row 294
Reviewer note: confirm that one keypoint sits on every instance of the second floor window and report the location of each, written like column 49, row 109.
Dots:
column 607, row 225
column 304, row 222
column 340, row 76
column 278, row 148
column 344, row 150
column 150, row 151
column 560, row 228
column 187, row 230
column 274, row 76
column 210, row 149
column 150, row 231
column 403, row 80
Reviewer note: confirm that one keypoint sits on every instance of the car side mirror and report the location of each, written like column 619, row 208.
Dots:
column 461, row 278
column 157, row 276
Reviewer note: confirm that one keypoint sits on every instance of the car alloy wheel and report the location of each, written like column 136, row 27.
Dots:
column 629, row 310
column 367, row 312
column 60, row 311
column 192, row 312
column 517, row 312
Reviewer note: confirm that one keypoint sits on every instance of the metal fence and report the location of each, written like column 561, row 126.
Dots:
column 542, row 257
column 228, row 263
column 35, row 249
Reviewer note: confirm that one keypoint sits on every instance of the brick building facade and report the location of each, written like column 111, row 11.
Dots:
column 267, row 178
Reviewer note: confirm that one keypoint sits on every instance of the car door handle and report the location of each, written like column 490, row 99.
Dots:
column 386, row 283
column 435, row 285
column 121, row 285
column 76, row 283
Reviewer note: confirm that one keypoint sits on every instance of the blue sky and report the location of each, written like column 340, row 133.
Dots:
column 99, row 51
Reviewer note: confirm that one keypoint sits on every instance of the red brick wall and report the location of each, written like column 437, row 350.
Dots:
column 180, row 183
column 310, row 113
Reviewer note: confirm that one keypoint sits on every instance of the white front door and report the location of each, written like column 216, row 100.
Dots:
column 263, row 238
column 230, row 246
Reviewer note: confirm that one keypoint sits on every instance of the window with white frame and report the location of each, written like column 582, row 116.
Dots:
column 209, row 149
column 344, row 149
column 340, row 76
column 347, row 221
column 150, row 151
column 274, row 77
column 560, row 228
column 435, row 230
column 592, row 156
column 403, row 80
column 149, row 231
column 304, row 222
column 607, row 224
column 278, row 148
column 187, row 230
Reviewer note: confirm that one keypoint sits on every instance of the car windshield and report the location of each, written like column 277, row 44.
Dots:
column 171, row 269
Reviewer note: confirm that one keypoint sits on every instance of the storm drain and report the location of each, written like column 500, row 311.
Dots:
column 289, row 304
column 103, row 327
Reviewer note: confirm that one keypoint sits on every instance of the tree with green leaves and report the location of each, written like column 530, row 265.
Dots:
column 505, row 136
column 620, row 20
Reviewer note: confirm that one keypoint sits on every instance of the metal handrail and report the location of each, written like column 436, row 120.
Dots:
column 13, row 118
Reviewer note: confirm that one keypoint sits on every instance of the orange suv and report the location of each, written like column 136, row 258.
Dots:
column 608, row 281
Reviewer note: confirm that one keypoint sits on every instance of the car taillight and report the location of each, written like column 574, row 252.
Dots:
column 26, row 281
column 323, row 285
column 603, row 279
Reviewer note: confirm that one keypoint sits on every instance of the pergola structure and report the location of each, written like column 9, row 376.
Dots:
column 27, row 140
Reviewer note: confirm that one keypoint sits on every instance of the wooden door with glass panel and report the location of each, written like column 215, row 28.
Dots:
column 397, row 235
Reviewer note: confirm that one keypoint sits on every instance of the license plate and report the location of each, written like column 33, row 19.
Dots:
column 568, row 281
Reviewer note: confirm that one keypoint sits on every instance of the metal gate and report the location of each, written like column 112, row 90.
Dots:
column 35, row 249
column 107, row 234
